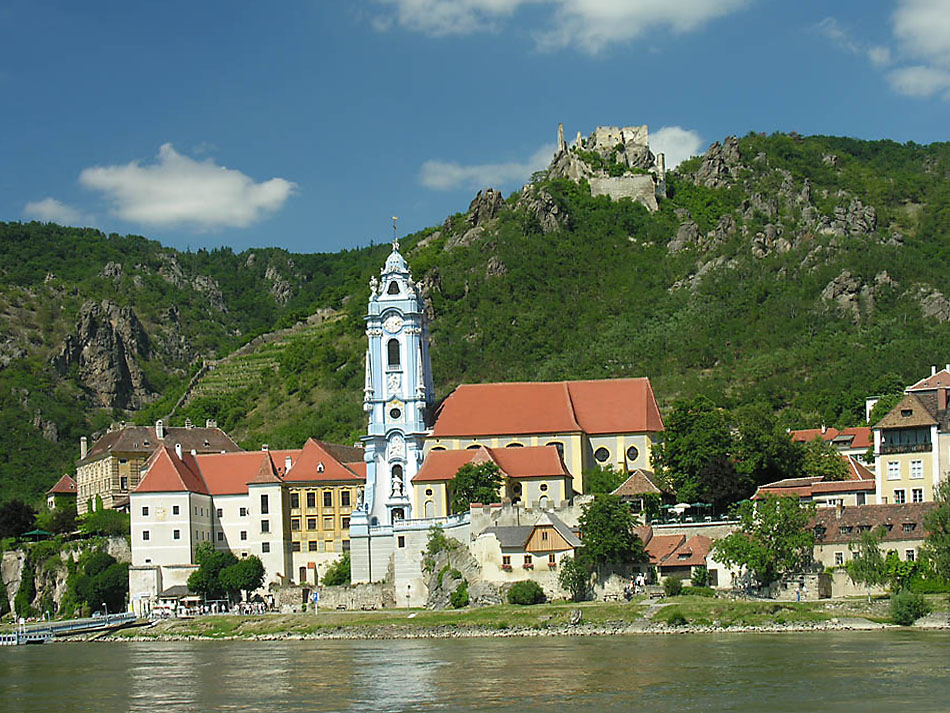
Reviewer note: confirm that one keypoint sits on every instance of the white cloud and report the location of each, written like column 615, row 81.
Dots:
column 176, row 190
column 923, row 29
column 829, row 27
column 50, row 210
column 919, row 81
column 677, row 143
column 448, row 175
column 587, row 24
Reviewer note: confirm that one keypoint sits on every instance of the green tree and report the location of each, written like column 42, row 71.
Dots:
column 60, row 520
column 899, row 573
column 606, row 527
column 574, row 575
column 105, row 523
column 339, row 572
column 773, row 538
column 867, row 563
column 884, row 406
column 822, row 460
column 937, row 524
column 206, row 580
column 16, row 517
column 475, row 484
column 721, row 485
column 602, row 480
column 696, row 432
column 765, row 452
column 100, row 579
column 246, row 575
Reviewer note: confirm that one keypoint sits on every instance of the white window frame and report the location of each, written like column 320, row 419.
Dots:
column 839, row 559
column 917, row 495
column 916, row 470
column 900, row 496
column 893, row 470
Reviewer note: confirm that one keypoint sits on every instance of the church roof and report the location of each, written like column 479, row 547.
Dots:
column 593, row 407
column 527, row 462
column 317, row 462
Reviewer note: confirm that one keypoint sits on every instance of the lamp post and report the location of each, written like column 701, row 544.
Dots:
column 408, row 594
column 106, row 608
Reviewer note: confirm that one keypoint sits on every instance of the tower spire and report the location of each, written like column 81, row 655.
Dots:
column 395, row 238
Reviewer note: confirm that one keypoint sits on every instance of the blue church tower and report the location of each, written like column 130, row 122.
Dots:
column 397, row 396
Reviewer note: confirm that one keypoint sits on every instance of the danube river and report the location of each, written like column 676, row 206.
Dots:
column 891, row 671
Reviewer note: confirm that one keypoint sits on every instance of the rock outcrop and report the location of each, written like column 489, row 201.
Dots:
column 541, row 205
column 103, row 349
column 720, row 164
column 486, row 205
column 280, row 289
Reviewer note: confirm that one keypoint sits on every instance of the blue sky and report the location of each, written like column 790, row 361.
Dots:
column 307, row 124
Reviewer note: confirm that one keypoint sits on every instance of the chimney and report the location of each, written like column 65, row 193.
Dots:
column 188, row 423
column 210, row 423
column 178, row 450
column 824, row 429
column 933, row 370
column 194, row 452
column 265, row 447
column 83, row 446
column 839, row 510
column 160, row 429
column 287, row 464
column 948, row 367
column 942, row 399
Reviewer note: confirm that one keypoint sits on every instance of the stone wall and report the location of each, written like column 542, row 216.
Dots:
column 292, row 598
column 641, row 188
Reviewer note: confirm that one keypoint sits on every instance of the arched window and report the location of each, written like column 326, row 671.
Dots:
column 430, row 508
column 392, row 349
column 438, row 448
column 397, row 472
column 473, row 447
column 515, row 445
column 559, row 446
column 543, row 502
column 393, row 288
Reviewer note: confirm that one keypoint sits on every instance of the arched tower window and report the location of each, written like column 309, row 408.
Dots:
column 393, row 288
column 392, row 349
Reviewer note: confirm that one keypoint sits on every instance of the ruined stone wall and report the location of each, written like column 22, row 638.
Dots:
column 641, row 188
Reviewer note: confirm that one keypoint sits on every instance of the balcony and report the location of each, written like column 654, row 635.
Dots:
column 892, row 448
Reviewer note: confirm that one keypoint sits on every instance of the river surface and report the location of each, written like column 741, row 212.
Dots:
column 859, row 672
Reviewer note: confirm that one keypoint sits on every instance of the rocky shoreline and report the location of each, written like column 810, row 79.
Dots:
column 618, row 629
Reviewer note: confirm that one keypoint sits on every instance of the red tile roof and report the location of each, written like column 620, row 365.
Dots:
column 166, row 473
column 934, row 381
column 527, row 462
column 144, row 439
column 846, row 524
column 691, row 553
column 860, row 479
column 660, row 547
column 862, row 436
column 594, row 407
column 64, row 486
column 230, row 473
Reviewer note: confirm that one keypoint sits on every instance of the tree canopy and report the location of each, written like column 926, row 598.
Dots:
column 606, row 528
column 773, row 538
column 475, row 483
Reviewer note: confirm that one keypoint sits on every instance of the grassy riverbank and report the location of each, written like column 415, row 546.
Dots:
column 678, row 613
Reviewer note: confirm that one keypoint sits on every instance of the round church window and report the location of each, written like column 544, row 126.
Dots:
column 632, row 453
column 602, row 455
column 395, row 414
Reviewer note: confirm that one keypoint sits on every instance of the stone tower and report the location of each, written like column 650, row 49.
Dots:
column 397, row 395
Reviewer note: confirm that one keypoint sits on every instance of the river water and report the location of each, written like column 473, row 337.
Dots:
column 862, row 672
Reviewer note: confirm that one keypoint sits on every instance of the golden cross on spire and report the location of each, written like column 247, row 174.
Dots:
column 395, row 239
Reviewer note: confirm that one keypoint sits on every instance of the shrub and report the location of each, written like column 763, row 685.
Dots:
column 700, row 577
column 908, row 607
column 929, row 585
column 699, row 591
column 459, row 598
column 526, row 592
column 672, row 586
column 674, row 617
column 105, row 522
column 338, row 572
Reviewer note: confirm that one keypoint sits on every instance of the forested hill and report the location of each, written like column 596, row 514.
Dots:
column 790, row 274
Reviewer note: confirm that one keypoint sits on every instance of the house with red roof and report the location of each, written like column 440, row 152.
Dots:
column 857, row 442
column 62, row 494
column 857, row 489
column 533, row 475
column 290, row 508
column 678, row 555
column 608, row 422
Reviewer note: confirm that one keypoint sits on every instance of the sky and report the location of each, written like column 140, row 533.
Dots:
column 309, row 124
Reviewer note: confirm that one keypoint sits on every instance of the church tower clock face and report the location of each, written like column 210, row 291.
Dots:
column 392, row 323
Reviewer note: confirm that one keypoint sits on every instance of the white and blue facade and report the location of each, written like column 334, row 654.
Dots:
column 397, row 395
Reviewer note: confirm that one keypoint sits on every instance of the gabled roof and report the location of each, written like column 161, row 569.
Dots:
column 516, row 537
column 550, row 519
column 593, row 407
column 64, row 486
column 691, row 553
column 912, row 411
column 526, row 462
column 856, row 437
column 860, row 479
column 640, row 482
column 166, row 473
column 317, row 462
column 659, row 547
column 143, row 439
column 934, row 381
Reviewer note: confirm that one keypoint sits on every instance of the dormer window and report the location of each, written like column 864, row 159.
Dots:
column 320, row 467
column 393, row 288
column 906, row 412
